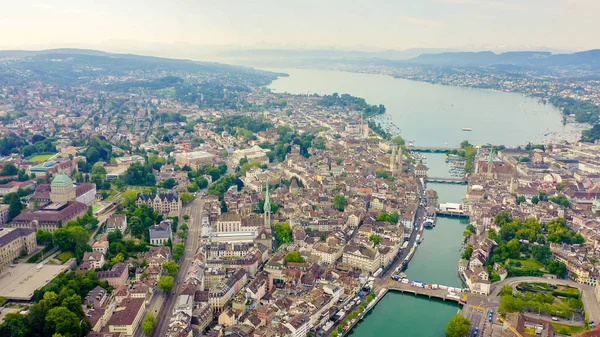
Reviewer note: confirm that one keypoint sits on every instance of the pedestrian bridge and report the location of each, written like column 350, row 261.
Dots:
column 441, row 292
column 432, row 149
column 444, row 180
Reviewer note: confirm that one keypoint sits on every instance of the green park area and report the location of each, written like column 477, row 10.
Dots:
column 40, row 158
column 546, row 299
column 569, row 330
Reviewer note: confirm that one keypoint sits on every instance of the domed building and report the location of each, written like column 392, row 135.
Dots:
column 62, row 188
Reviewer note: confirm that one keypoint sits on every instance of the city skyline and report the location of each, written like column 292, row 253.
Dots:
column 171, row 28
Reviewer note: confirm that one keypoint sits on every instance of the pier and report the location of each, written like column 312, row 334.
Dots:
column 431, row 149
column 459, row 181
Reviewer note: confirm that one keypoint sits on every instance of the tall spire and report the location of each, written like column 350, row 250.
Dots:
column 491, row 158
column 267, row 206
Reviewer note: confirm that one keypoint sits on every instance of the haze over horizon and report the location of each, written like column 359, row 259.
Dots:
column 181, row 28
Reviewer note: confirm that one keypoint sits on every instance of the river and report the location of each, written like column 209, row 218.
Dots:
column 431, row 115
column 434, row 115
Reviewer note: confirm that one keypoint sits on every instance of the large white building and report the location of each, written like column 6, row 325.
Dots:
column 195, row 159
column 298, row 326
column 255, row 153
column 361, row 257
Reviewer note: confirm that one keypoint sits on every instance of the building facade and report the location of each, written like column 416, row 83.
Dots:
column 13, row 242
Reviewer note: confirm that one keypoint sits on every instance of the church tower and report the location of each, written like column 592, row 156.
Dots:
column 490, row 162
column 267, row 207
column 393, row 161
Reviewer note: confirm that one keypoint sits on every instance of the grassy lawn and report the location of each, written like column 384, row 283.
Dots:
column 42, row 157
column 567, row 290
column 567, row 329
column 64, row 257
column 528, row 264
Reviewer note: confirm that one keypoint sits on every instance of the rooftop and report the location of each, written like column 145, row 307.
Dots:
column 20, row 281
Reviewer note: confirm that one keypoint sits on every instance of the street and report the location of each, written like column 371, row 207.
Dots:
column 195, row 210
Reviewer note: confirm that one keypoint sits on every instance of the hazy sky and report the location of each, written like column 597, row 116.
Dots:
column 383, row 24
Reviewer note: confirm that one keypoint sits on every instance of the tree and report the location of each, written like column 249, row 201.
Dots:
column 14, row 325
column 339, row 202
column 467, row 253
column 557, row 268
column 186, row 217
column 148, row 324
column 186, row 197
column 398, row 141
column 43, row 237
column 294, row 257
column 166, row 283
column 168, row 184
column 14, row 205
column 9, row 169
column 72, row 238
column 178, row 251
column 458, row 326
column 506, row 290
column 510, row 304
column 115, row 236
column 283, row 233
column 61, row 320
column 73, row 303
column 171, row 267
column 376, row 239
column 140, row 175
column 535, row 199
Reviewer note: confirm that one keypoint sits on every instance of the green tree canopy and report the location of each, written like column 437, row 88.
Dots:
column 148, row 324
column 166, row 283
column 171, row 267
column 294, row 257
column 458, row 326
column 339, row 202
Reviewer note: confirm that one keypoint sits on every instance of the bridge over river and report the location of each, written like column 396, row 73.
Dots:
column 441, row 292
column 445, row 180
column 431, row 149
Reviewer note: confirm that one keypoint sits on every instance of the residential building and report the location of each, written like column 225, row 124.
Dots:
column 94, row 259
column 116, row 221
column 127, row 316
column 298, row 326
column 116, row 277
column 100, row 246
column 160, row 234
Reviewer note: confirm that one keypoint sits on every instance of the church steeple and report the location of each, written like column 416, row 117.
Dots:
column 490, row 162
column 267, row 206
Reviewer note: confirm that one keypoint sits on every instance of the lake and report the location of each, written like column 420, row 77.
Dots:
column 434, row 115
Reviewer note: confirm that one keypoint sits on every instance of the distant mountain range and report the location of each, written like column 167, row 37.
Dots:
column 589, row 59
column 77, row 64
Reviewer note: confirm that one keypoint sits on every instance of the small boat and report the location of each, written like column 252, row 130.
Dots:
column 467, row 129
